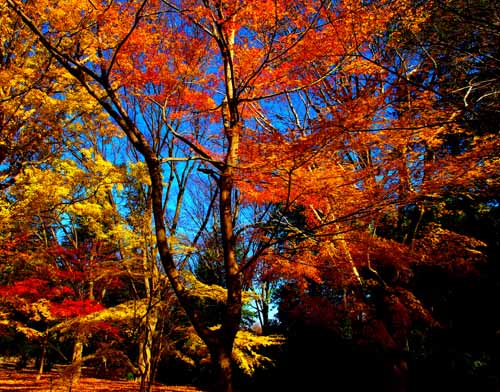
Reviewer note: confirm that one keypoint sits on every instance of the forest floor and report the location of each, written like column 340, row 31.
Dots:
column 13, row 380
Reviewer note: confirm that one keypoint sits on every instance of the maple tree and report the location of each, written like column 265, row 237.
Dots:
column 309, row 123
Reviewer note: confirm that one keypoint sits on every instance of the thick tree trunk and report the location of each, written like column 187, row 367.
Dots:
column 223, row 372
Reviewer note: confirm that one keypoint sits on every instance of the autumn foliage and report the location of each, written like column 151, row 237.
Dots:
column 173, row 171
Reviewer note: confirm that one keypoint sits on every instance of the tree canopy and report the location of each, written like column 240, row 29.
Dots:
column 193, row 182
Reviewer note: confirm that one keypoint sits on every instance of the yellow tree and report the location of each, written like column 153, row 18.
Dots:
column 30, row 112
column 43, row 190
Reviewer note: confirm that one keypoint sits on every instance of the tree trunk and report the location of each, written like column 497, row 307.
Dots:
column 223, row 372
column 265, row 318
column 150, row 323
column 43, row 355
column 76, row 361
column 145, row 360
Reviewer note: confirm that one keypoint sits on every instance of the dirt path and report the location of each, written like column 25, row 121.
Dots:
column 55, row 381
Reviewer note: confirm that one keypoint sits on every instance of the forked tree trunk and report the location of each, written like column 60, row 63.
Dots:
column 221, row 350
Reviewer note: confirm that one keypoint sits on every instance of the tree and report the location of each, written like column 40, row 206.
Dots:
column 458, row 44
column 278, row 102
column 66, row 248
column 27, row 101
